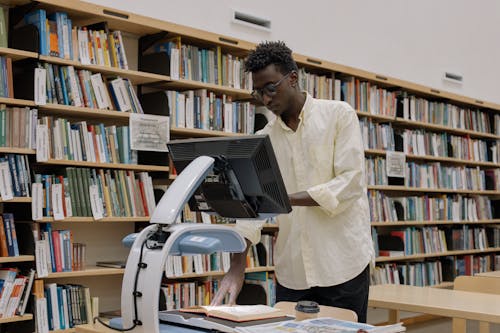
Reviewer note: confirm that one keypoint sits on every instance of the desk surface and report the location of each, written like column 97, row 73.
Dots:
column 443, row 302
column 493, row 274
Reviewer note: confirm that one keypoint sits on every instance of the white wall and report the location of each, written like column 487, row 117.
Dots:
column 415, row 41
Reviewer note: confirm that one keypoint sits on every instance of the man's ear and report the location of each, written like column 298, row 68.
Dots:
column 294, row 79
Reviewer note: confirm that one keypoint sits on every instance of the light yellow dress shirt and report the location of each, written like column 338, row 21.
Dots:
column 330, row 244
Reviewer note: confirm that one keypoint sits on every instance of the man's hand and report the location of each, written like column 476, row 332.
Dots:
column 233, row 280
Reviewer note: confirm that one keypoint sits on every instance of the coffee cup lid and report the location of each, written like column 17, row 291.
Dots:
column 307, row 306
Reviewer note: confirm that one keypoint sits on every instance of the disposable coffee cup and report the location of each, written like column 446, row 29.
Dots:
column 306, row 310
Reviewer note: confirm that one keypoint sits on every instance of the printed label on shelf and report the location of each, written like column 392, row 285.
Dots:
column 42, row 143
column 5, row 182
column 396, row 163
column 36, row 201
column 40, row 86
column 149, row 132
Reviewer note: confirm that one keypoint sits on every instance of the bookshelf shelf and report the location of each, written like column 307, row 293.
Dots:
column 429, row 190
column 17, row 200
column 380, row 152
column 375, row 117
column 422, row 223
column 136, row 167
column 419, row 124
column 16, row 101
column 135, row 77
column 74, row 111
column 443, row 285
column 12, row 150
column 220, row 273
column 17, row 54
column 22, row 258
column 90, row 271
column 434, row 255
column 80, row 219
column 25, row 317
column 183, row 84
column 195, row 132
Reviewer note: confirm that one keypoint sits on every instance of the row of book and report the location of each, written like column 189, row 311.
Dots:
column 434, row 175
column 18, row 127
column 56, row 251
column 80, row 87
column 455, row 208
column 259, row 255
column 177, row 266
column 205, row 110
column 9, row 245
column 15, row 289
column 6, row 84
column 179, row 295
column 318, row 86
column 15, row 176
column 185, row 294
column 93, row 44
column 424, row 143
column 432, row 273
column 68, row 305
column 445, row 114
column 79, row 141
column 92, row 192
column 207, row 65
column 419, row 240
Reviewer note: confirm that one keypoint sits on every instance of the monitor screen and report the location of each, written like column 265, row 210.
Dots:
column 246, row 180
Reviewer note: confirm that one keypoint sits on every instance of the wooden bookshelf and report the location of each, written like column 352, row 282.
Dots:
column 12, row 150
column 135, row 167
column 199, row 133
column 25, row 317
column 451, row 160
column 423, row 223
column 22, row 258
column 183, row 84
column 435, row 255
column 397, row 188
column 17, row 54
column 88, row 272
column 17, row 200
column 16, row 102
column 80, row 219
column 220, row 273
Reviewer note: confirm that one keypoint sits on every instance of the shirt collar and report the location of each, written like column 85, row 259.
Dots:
column 303, row 113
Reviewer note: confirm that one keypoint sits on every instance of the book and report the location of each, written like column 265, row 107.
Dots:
column 237, row 313
column 111, row 264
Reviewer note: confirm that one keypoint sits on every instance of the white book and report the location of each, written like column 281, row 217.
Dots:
column 190, row 109
column 174, row 63
column 6, row 189
column 121, row 95
column 52, row 291
column 65, row 307
column 83, row 46
column 57, row 202
column 181, row 111
column 76, row 99
column 100, row 92
column 42, row 324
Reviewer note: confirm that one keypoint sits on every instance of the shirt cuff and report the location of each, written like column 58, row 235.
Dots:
column 250, row 229
column 323, row 197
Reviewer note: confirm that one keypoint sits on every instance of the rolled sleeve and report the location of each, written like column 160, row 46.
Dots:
column 250, row 229
column 348, row 184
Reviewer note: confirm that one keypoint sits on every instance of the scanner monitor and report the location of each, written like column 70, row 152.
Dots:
column 246, row 181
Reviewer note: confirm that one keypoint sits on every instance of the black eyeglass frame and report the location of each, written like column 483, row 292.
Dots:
column 269, row 89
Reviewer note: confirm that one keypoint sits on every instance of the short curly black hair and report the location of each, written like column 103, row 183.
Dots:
column 267, row 53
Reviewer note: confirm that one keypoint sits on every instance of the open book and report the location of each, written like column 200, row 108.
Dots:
column 237, row 313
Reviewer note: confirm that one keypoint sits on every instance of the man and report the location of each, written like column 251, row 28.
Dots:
column 324, row 248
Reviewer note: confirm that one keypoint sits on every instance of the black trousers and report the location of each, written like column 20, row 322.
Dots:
column 352, row 294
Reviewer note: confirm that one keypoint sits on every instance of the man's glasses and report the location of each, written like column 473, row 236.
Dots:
column 269, row 89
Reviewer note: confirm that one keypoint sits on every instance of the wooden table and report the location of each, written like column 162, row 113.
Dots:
column 441, row 302
column 491, row 274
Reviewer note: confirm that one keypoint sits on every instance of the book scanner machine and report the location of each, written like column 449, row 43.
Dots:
column 234, row 177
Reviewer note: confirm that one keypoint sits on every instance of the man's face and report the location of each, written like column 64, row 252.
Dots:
column 272, row 88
